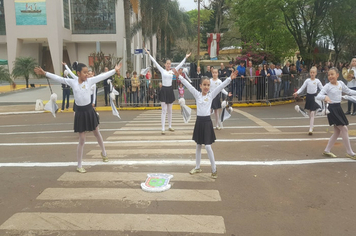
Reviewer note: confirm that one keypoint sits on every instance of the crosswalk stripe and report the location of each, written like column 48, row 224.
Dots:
column 130, row 176
column 169, row 151
column 150, row 137
column 154, row 121
column 143, row 132
column 159, row 124
column 116, row 222
column 157, row 128
column 122, row 194
column 187, row 143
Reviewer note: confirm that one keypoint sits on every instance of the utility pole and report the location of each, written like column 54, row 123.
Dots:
column 198, row 29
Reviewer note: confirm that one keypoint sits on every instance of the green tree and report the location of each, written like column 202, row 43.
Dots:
column 4, row 74
column 339, row 25
column 23, row 67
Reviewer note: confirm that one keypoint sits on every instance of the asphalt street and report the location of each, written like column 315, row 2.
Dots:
column 272, row 178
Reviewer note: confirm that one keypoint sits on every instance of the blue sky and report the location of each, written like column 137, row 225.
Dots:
column 188, row 4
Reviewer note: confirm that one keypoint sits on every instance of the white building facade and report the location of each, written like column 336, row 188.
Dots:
column 52, row 31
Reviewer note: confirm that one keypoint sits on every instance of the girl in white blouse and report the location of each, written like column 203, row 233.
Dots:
column 312, row 85
column 203, row 129
column 85, row 118
column 331, row 93
column 166, row 95
column 216, row 104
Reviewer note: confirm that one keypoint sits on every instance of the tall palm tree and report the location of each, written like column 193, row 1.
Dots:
column 23, row 67
column 4, row 74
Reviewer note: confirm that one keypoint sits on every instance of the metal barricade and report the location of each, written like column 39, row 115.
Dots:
column 252, row 89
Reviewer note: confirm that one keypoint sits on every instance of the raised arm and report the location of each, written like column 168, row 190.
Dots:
column 40, row 71
column 223, row 84
column 182, row 62
column 70, row 71
column 103, row 76
column 186, row 84
column 154, row 61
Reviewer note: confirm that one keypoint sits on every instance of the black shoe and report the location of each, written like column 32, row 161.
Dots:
column 347, row 113
column 354, row 113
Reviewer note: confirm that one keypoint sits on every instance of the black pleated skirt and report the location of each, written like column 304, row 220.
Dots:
column 204, row 131
column 216, row 103
column 166, row 95
column 85, row 119
column 310, row 103
column 336, row 115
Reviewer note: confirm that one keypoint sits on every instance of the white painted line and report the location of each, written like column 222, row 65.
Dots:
column 180, row 162
column 159, row 124
column 157, row 142
column 269, row 133
column 115, row 222
column 150, row 137
column 127, row 152
column 130, row 176
column 21, row 112
column 128, row 194
column 258, row 121
column 188, row 143
column 144, row 132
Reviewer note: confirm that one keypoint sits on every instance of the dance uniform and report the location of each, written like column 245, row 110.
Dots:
column 85, row 118
column 216, row 104
column 203, row 129
column 166, row 94
column 334, row 92
column 312, row 89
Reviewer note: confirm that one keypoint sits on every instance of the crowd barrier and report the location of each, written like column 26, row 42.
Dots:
column 243, row 90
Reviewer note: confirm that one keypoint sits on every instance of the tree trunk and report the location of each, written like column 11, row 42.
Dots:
column 26, row 78
column 127, row 12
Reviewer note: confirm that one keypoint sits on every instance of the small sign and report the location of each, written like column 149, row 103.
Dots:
column 157, row 183
column 138, row 51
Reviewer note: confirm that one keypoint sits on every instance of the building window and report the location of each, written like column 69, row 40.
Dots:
column 93, row 16
column 2, row 18
column 66, row 14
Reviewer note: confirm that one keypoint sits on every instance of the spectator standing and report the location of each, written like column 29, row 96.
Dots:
column 119, row 86
column 135, row 88
column 286, row 79
column 106, row 87
column 277, row 85
column 250, row 81
column 240, row 80
column 208, row 72
column 222, row 71
column 128, row 88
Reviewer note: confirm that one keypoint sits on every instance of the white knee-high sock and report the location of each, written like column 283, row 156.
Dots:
column 332, row 139
column 216, row 115
column 163, row 115
column 80, row 149
column 99, row 138
column 344, row 132
column 198, row 156
column 218, row 123
column 169, row 114
column 210, row 152
column 312, row 116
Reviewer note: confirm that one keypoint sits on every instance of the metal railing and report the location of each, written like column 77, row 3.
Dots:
column 244, row 90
